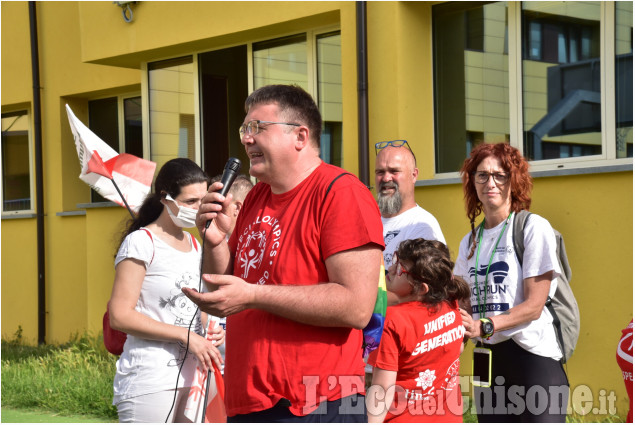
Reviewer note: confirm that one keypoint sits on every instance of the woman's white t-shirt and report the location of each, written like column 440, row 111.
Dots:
column 148, row 366
column 505, row 288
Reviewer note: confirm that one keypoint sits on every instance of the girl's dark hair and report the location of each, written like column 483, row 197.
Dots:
column 175, row 174
column 431, row 264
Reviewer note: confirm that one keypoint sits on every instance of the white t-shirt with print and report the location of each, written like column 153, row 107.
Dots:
column 148, row 366
column 505, row 287
column 411, row 224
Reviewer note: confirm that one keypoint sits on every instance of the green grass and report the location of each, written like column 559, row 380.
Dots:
column 38, row 417
column 74, row 378
column 575, row 418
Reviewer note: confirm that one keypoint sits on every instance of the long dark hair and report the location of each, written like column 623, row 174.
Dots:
column 175, row 174
column 431, row 264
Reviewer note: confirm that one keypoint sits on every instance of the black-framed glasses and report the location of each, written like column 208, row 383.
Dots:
column 482, row 177
column 253, row 127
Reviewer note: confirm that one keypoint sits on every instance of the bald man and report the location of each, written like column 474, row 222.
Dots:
column 395, row 176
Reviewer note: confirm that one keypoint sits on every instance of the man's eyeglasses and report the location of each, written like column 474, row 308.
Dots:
column 400, row 268
column 254, row 127
column 394, row 143
column 482, row 177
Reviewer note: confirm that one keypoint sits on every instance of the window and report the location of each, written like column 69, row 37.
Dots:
column 206, row 92
column 171, row 99
column 329, row 96
column 117, row 121
column 549, row 92
column 561, row 80
column 472, row 84
column 285, row 61
column 474, row 35
column 281, row 61
column 16, row 165
column 557, row 38
column 133, row 131
column 624, row 78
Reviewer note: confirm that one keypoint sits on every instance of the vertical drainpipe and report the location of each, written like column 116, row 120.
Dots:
column 39, row 181
column 362, row 92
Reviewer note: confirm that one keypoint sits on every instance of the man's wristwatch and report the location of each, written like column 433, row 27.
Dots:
column 487, row 327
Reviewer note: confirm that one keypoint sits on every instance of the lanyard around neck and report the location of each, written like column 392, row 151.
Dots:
column 481, row 309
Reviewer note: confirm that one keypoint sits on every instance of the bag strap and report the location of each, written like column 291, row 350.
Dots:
column 194, row 241
column 518, row 235
column 150, row 236
column 328, row 189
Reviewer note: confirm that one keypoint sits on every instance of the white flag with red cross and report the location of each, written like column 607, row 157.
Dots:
column 120, row 178
column 195, row 405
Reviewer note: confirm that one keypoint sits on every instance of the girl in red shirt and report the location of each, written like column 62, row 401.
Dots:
column 415, row 376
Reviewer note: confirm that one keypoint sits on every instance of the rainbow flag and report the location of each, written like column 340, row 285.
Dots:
column 374, row 329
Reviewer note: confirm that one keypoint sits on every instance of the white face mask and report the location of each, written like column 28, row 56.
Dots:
column 186, row 217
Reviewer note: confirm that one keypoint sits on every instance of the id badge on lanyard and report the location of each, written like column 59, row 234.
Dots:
column 482, row 360
column 482, row 367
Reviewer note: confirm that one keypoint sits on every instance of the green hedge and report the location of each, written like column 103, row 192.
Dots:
column 71, row 379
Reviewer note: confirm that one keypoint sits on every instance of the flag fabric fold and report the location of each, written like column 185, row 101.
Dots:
column 104, row 169
column 215, row 412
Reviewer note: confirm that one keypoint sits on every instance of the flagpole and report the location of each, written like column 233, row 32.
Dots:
column 123, row 199
column 209, row 378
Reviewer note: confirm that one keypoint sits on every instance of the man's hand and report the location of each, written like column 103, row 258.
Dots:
column 214, row 208
column 346, row 302
column 230, row 296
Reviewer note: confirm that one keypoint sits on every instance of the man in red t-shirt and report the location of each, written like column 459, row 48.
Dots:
column 305, row 257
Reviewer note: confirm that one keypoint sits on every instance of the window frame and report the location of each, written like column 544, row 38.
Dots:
column 608, row 157
column 32, row 210
column 312, row 78
column 311, row 54
column 121, row 130
column 562, row 166
column 312, row 37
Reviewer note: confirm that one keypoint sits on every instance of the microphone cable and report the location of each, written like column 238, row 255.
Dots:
column 187, row 344
column 232, row 167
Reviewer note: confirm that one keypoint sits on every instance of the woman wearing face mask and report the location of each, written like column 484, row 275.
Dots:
column 155, row 260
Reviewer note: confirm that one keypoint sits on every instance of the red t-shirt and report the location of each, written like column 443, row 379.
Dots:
column 625, row 361
column 422, row 344
column 284, row 240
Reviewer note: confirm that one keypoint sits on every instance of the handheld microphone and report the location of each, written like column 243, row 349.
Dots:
column 232, row 168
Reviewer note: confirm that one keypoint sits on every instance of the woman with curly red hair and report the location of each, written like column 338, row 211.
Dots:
column 522, row 379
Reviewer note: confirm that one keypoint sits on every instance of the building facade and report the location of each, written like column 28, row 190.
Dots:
column 168, row 79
